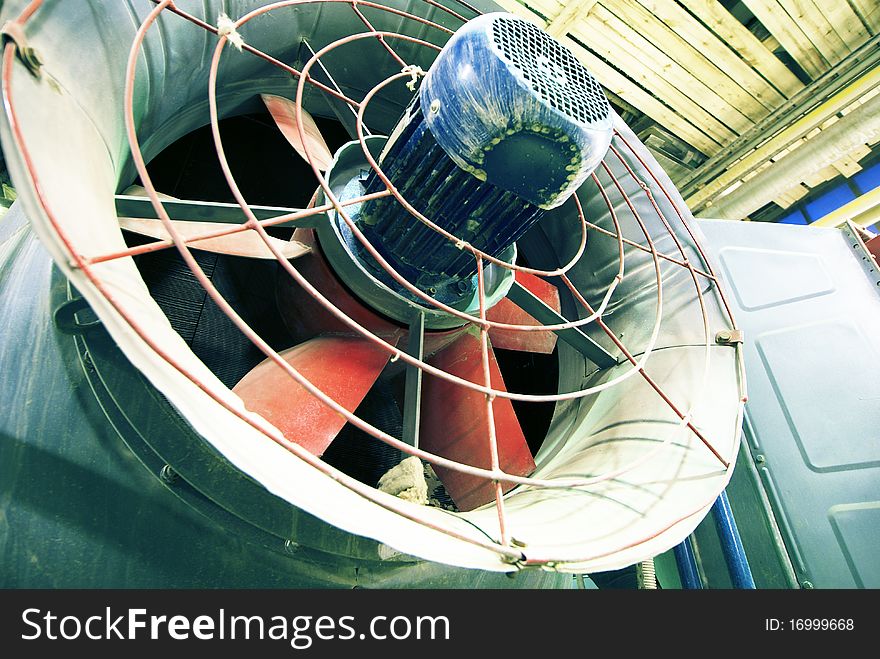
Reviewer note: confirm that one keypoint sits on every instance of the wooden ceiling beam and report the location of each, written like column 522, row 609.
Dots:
column 574, row 11
column 789, row 34
column 848, row 26
column 620, row 85
column 738, row 37
column 790, row 135
column 697, row 42
column 868, row 12
column 817, row 28
column 675, row 32
column 646, row 62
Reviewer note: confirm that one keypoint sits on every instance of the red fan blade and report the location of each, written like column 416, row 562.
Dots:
column 283, row 111
column 508, row 312
column 342, row 367
column 454, row 424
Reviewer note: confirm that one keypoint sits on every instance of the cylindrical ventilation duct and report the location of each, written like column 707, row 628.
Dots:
column 613, row 293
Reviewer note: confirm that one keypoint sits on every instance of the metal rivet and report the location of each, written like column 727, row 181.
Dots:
column 290, row 546
column 167, row 474
column 760, row 459
column 723, row 335
column 435, row 106
column 807, row 585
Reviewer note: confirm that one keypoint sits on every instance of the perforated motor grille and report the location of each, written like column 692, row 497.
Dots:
column 553, row 72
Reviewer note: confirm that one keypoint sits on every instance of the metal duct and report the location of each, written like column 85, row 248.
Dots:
column 645, row 427
column 861, row 126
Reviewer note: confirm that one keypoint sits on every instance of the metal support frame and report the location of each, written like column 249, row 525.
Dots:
column 204, row 211
column 415, row 347
column 537, row 308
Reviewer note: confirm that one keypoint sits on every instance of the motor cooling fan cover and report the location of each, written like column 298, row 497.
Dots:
column 637, row 449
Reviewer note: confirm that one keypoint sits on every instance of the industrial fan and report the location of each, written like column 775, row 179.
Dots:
column 489, row 198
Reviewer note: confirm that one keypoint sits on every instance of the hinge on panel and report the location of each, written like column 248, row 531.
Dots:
column 729, row 337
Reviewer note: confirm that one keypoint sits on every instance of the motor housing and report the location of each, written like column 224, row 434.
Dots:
column 507, row 124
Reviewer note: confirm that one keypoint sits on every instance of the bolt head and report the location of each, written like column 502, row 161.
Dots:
column 167, row 474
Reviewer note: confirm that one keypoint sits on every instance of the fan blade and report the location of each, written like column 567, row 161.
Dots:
column 283, row 111
column 243, row 243
column 506, row 311
column 343, row 367
column 454, row 424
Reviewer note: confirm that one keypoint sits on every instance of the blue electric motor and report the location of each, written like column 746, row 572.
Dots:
column 507, row 124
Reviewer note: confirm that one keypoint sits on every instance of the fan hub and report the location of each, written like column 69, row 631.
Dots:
column 371, row 282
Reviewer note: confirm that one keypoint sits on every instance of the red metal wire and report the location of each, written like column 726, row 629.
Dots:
column 450, row 11
column 350, row 417
column 614, row 337
column 28, row 11
column 561, row 483
column 744, row 396
column 495, row 473
column 428, row 368
column 254, row 51
column 681, row 216
column 381, row 39
column 490, row 412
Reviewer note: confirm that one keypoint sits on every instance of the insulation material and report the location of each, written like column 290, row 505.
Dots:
column 406, row 481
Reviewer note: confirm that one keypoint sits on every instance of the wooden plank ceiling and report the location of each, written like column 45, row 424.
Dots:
column 694, row 67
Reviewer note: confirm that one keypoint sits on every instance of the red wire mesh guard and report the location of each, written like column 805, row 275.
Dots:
column 503, row 544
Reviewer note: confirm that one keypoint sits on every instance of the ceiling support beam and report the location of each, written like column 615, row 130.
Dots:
column 861, row 126
column 572, row 12
column 841, row 87
column 863, row 210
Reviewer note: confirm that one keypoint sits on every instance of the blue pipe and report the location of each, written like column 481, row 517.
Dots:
column 687, row 566
column 731, row 544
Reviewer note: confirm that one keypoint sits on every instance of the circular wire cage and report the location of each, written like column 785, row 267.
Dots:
column 648, row 403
